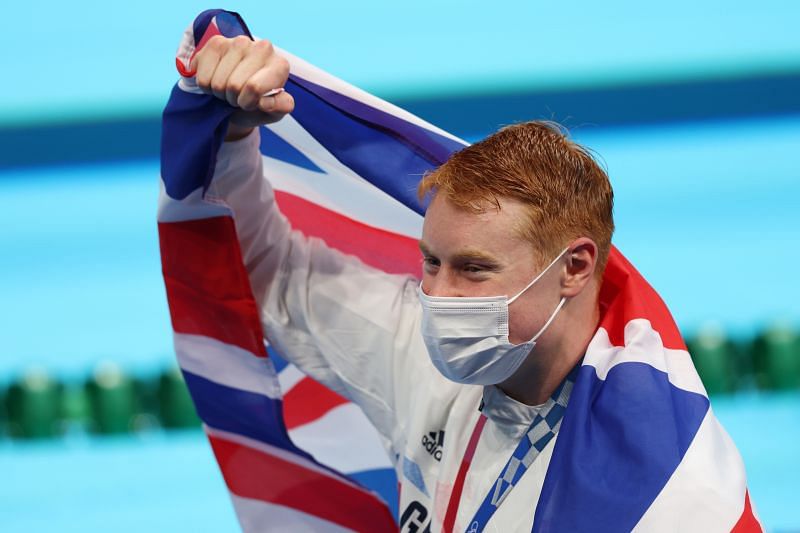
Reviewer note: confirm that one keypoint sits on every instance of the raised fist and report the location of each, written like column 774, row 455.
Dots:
column 246, row 74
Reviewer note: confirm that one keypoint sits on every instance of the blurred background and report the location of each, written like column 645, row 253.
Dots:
column 694, row 108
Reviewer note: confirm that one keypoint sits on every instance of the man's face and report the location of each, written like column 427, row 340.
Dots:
column 483, row 254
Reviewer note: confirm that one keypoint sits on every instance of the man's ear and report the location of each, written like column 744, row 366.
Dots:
column 581, row 263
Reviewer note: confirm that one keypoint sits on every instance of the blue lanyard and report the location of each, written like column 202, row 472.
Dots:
column 541, row 431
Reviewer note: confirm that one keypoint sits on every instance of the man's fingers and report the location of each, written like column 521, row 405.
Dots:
column 230, row 61
column 271, row 76
column 279, row 105
column 206, row 61
column 242, row 72
column 250, row 80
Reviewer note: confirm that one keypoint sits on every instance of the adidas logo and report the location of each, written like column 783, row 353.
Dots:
column 433, row 443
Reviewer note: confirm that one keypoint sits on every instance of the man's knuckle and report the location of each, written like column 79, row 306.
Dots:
column 236, row 86
column 218, row 86
column 203, row 79
column 217, row 43
column 264, row 46
column 282, row 65
column 252, row 86
column 240, row 42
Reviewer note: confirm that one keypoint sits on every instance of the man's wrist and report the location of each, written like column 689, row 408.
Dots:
column 237, row 133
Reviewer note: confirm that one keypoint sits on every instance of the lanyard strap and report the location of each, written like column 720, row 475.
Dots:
column 458, row 487
column 544, row 427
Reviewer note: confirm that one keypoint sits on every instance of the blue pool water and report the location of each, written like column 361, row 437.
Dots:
column 98, row 64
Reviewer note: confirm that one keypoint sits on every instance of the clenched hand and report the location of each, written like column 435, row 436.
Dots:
column 241, row 72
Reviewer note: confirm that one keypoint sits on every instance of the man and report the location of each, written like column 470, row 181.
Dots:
column 467, row 375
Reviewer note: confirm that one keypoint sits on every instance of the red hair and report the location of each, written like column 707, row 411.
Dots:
column 566, row 192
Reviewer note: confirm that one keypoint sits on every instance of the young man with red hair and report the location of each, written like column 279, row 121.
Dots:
column 468, row 387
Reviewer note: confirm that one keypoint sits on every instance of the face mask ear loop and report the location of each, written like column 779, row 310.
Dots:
column 542, row 273
column 549, row 320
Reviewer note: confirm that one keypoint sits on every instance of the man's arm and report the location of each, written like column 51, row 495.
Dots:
column 346, row 324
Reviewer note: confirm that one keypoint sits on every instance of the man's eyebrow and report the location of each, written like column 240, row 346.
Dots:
column 468, row 255
column 465, row 256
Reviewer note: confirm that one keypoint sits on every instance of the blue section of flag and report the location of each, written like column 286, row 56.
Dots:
column 412, row 472
column 277, row 361
column 242, row 412
column 272, row 145
column 381, row 481
column 230, row 24
column 359, row 137
column 201, row 22
column 194, row 125
column 434, row 147
column 620, row 441
column 193, row 129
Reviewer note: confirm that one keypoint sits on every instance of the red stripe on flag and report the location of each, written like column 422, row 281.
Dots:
column 207, row 285
column 625, row 295
column 308, row 401
column 385, row 250
column 211, row 31
column 747, row 522
column 251, row 473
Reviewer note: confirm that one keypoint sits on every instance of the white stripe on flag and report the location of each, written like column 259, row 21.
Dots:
column 226, row 364
column 193, row 207
column 289, row 377
column 280, row 453
column 643, row 345
column 711, row 465
column 363, row 448
column 257, row 516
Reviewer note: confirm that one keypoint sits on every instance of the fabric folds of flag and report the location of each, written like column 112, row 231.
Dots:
column 638, row 437
column 329, row 163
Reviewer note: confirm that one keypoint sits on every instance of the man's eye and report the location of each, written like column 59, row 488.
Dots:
column 430, row 261
column 473, row 268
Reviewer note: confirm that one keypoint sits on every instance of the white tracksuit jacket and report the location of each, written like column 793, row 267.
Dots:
column 357, row 330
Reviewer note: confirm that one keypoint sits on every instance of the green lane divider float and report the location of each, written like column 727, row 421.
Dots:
column 33, row 406
column 36, row 405
column 176, row 409
column 777, row 358
column 3, row 412
column 112, row 400
column 109, row 402
column 715, row 358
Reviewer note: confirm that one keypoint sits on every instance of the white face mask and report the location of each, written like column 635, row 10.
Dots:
column 467, row 337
